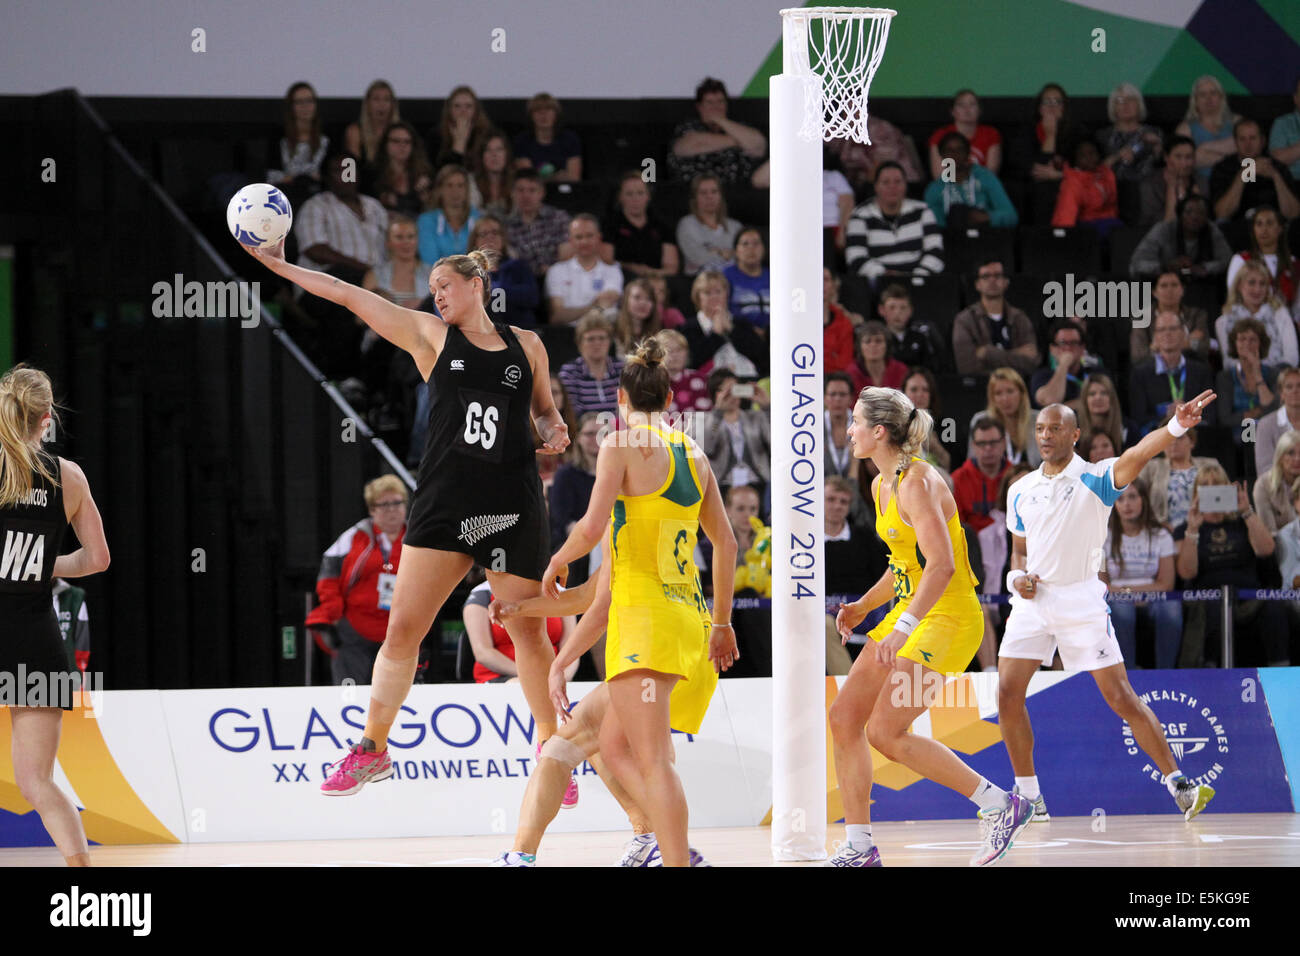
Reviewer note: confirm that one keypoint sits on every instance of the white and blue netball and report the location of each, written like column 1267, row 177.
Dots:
column 259, row 215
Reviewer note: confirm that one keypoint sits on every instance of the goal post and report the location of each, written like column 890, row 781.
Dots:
column 829, row 55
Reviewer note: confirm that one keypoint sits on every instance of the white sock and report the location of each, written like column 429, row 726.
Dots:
column 1029, row 787
column 1171, row 782
column 859, row 836
column 989, row 797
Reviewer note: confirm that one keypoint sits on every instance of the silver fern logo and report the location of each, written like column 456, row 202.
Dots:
column 474, row 530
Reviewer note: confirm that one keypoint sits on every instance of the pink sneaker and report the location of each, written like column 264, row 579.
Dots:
column 357, row 769
column 571, row 794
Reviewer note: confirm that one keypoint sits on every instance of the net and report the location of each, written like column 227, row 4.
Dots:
column 843, row 46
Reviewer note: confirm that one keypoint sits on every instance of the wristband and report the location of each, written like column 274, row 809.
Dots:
column 716, row 624
column 1012, row 577
column 906, row 622
column 1177, row 429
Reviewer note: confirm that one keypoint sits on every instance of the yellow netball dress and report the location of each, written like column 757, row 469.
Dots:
column 657, row 616
column 950, row 633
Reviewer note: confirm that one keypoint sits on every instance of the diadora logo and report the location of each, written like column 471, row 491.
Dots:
column 926, row 654
column 458, row 365
column 513, row 374
column 1192, row 730
column 633, row 658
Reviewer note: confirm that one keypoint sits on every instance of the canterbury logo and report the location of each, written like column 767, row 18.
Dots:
column 458, row 365
column 474, row 530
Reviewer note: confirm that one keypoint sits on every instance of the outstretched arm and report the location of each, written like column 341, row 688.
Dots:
column 550, row 423
column 610, row 468
column 1130, row 464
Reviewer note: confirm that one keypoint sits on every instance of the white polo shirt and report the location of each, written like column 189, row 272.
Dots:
column 1064, row 518
column 575, row 286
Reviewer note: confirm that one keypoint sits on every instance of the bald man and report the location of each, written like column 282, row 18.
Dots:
column 1058, row 517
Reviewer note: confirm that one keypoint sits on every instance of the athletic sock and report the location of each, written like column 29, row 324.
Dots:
column 989, row 797
column 1172, row 781
column 859, row 836
column 1029, row 787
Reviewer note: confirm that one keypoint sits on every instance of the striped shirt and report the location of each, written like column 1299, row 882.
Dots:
column 909, row 242
column 590, row 394
column 327, row 219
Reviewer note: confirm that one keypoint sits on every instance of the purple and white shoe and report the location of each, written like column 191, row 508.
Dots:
column 696, row 858
column 999, row 829
column 845, row 855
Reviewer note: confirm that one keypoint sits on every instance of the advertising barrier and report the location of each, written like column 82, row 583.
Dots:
column 246, row 764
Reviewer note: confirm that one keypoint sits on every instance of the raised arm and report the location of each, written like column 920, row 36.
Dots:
column 420, row 334
column 1130, row 464
column 79, row 507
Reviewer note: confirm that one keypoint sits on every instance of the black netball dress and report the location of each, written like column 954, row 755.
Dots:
column 478, row 491
column 31, row 534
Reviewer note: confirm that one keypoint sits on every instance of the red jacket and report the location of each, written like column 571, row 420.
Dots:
column 1086, row 196
column 976, row 494
column 348, row 585
column 837, row 342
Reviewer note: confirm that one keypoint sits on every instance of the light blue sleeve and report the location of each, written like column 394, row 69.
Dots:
column 1003, row 214
column 934, row 199
column 1014, row 522
column 1099, row 479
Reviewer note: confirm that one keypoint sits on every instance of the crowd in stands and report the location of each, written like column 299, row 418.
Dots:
column 938, row 281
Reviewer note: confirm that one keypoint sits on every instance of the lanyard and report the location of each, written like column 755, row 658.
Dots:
column 1176, row 392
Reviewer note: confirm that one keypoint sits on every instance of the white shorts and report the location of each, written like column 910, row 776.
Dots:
column 1072, row 618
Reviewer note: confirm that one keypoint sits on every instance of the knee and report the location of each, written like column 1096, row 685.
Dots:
column 32, row 785
column 1010, row 700
column 404, row 635
column 1122, row 701
column 882, row 737
column 846, row 720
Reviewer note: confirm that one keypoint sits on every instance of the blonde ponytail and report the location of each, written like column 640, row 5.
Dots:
column 25, row 398
column 906, row 426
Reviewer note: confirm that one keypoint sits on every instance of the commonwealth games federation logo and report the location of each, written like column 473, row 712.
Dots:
column 1194, row 732
column 512, row 376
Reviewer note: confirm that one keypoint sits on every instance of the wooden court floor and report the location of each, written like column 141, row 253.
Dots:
column 1238, row 839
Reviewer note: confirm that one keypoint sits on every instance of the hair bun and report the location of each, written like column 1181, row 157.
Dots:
column 485, row 259
column 648, row 352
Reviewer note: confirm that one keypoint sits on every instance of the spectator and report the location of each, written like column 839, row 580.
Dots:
column 690, row 388
column 1226, row 557
column 742, row 503
column 1140, row 557
column 669, row 317
column 1068, row 365
column 401, row 278
column 1171, row 478
column 967, row 194
column 1163, row 189
column 1246, row 387
column 706, row 236
column 1208, row 123
column 837, row 201
column 838, row 397
column 494, row 651
column 751, row 294
column 1131, row 147
column 403, row 179
column 514, row 296
column 837, row 327
column 1268, row 244
column 592, row 378
column 713, row 145
column 993, row 333
column 638, row 316
column 444, row 229
column 379, row 110
column 854, row 560
column 303, row 146
column 1251, row 296
column 975, row 483
column 1190, row 245
column 874, row 367
column 571, row 489
column 1284, row 137
column 579, row 284
column 736, row 440
column 910, row 342
column 1270, row 185
column 985, row 141
column 641, row 243
column 995, row 556
column 340, row 227
column 356, row 580
column 1099, row 408
column 921, row 387
column 1273, row 426
column 1097, row 446
column 1168, row 297
column 537, row 232
column 492, row 187
column 74, row 623
column 1273, row 487
column 555, row 152
column 1288, row 545
column 1088, row 195
column 1166, row 377
column 548, row 465
column 717, row 339
column 1038, row 157
column 462, row 128
column 893, row 235
column 1008, row 404
column 889, row 145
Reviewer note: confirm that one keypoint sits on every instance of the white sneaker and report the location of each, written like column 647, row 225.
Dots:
column 640, row 851
column 515, row 859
